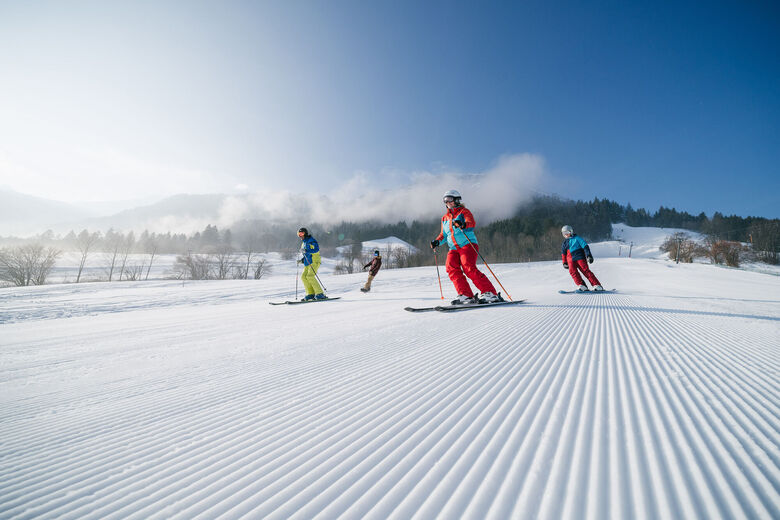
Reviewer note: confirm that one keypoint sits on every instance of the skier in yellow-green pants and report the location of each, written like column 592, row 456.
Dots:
column 310, row 258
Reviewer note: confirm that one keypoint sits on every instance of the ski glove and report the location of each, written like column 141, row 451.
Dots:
column 590, row 259
column 434, row 243
column 300, row 260
column 565, row 266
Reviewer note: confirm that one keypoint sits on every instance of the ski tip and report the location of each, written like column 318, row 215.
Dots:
column 419, row 309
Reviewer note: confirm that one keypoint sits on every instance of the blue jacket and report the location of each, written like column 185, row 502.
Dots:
column 309, row 246
column 576, row 246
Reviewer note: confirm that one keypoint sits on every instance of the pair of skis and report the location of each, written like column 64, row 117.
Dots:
column 463, row 307
column 296, row 302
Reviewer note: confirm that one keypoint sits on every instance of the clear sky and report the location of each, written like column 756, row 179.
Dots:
column 652, row 103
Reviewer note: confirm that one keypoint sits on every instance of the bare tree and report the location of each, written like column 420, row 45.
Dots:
column 681, row 247
column 251, row 245
column 765, row 237
column 193, row 267
column 340, row 268
column 219, row 265
column 113, row 242
column 27, row 265
column 85, row 242
column 729, row 251
column 150, row 246
column 134, row 272
column 399, row 257
column 223, row 262
column 127, row 247
column 723, row 251
column 347, row 265
column 261, row 268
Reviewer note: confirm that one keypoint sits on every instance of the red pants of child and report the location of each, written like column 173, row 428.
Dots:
column 464, row 260
column 582, row 265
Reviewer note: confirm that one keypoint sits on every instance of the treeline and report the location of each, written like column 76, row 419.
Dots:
column 590, row 219
column 532, row 233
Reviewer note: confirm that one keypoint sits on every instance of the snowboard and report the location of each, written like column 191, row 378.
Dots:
column 308, row 301
column 455, row 308
column 575, row 291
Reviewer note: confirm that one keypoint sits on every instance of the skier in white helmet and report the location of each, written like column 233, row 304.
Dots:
column 574, row 253
column 457, row 227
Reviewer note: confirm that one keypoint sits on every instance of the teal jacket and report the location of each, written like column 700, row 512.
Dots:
column 456, row 236
column 576, row 247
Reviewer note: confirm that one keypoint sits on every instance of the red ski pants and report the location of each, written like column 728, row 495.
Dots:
column 582, row 265
column 464, row 260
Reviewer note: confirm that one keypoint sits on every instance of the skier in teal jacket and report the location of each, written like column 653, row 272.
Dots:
column 457, row 228
column 574, row 253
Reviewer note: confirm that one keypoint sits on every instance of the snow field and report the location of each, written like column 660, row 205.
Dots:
column 199, row 400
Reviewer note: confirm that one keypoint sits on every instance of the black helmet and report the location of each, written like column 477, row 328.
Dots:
column 376, row 252
column 304, row 231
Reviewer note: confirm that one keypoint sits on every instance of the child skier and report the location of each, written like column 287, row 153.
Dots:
column 310, row 251
column 373, row 268
column 574, row 252
column 457, row 226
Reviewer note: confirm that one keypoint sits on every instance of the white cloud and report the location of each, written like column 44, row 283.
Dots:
column 491, row 195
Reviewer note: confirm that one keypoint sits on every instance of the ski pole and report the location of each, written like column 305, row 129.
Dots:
column 296, row 279
column 436, row 260
column 318, row 279
column 486, row 265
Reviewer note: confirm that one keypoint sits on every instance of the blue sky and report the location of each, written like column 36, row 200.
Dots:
column 655, row 103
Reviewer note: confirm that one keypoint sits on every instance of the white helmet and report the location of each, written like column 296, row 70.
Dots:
column 452, row 194
column 567, row 230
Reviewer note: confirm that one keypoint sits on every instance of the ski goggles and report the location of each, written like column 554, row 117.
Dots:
column 449, row 199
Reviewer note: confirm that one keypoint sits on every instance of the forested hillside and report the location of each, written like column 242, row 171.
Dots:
column 533, row 233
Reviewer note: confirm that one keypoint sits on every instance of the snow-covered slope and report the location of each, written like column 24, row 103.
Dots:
column 384, row 245
column 638, row 242
column 173, row 399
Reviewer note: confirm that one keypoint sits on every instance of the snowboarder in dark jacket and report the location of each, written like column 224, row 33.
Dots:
column 373, row 268
column 574, row 253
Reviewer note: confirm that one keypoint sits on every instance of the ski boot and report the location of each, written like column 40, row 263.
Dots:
column 464, row 300
column 489, row 297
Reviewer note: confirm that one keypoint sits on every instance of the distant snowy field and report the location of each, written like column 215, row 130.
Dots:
column 171, row 399
column 98, row 264
column 638, row 242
